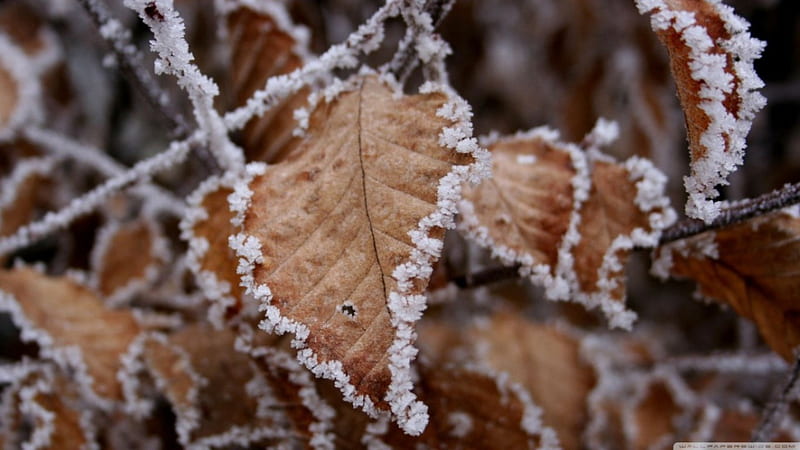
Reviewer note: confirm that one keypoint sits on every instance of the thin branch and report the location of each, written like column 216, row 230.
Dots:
column 778, row 406
column 405, row 60
column 739, row 212
column 86, row 203
column 486, row 276
column 130, row 62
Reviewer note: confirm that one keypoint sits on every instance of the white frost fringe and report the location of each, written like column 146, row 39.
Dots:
column 708, row 69
column 405, row 308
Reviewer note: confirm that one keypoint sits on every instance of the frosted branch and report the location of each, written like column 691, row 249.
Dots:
column 779, row 406
column 174, row 58
column 735, row 213
column 61, row 145
column 86, row 203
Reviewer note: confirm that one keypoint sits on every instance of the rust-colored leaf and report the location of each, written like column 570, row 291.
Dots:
column 222, row 396
column 265, row 44
column 126, row 258
column 206, row 229
column 569, row 220
column 70, row 325
column 22, row 193
column 9, row 99
column 534, row 355
column 711, row 56
column 752, row 267
column 471, row 408
column 339, row 239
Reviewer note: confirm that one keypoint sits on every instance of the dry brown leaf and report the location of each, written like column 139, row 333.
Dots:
column 752, row 267
column 534, row 355
column 567, row 219
column 206, row 229
column 264, row 44
column 471, row 408
column 71, row 326
column 711, row 56
column 22, row 193
column 9, row 99
column 42, row 410
column 126, row 258
column 340, row 238
column 206, row 381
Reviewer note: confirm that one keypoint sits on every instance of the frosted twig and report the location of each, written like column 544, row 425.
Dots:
column 738, row 212
column 174, row 58
column 84, row 204
column 776, row 409
column 405, row 59
column 130, row 62
column 739, row 363
column 61, row 145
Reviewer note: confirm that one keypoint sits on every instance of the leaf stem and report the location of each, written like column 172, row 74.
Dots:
column 486, row 276
column 737, row 212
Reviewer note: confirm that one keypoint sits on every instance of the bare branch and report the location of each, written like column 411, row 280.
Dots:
column 776, row 409
column 738, row 212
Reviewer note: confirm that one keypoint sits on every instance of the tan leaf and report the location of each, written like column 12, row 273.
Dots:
column 265, row 44
column 22, row 193
column 42, row 410
column 126, row 258
column 206, row 229
column 752, row 267
column 71, row 326
column 222, row 396
column 569, row 220
column 471, row 408
column 339, row 240
column 9, row 99
column 711, row 56
column 534, row 355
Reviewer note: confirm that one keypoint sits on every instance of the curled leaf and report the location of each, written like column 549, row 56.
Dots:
column 72, row 327
column 752, row 267
column 569, row 220
column 22, row 192
column 338, row 241
column 711, row 56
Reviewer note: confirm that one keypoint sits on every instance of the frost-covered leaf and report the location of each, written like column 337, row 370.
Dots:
column 534, row 355
column 568, row 219
column 750, row 266
column 22, row 192
column 474, row 408
column 71, row 326
column 338, row 241
column 711, row 55
column 265, row 44
column 126, row 258
column 222, row 396
column 206, row 228
column 42, row 410
column 10, row 97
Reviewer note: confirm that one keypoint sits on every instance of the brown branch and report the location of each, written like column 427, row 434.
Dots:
column 738, row 212
column 776, row 409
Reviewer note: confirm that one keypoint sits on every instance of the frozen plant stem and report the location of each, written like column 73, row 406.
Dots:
column 777, row 407
column 738, row 212
column 405, row 60
column 486, row 276
column 129, row 60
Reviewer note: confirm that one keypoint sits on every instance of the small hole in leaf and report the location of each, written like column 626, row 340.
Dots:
column 348, row 309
